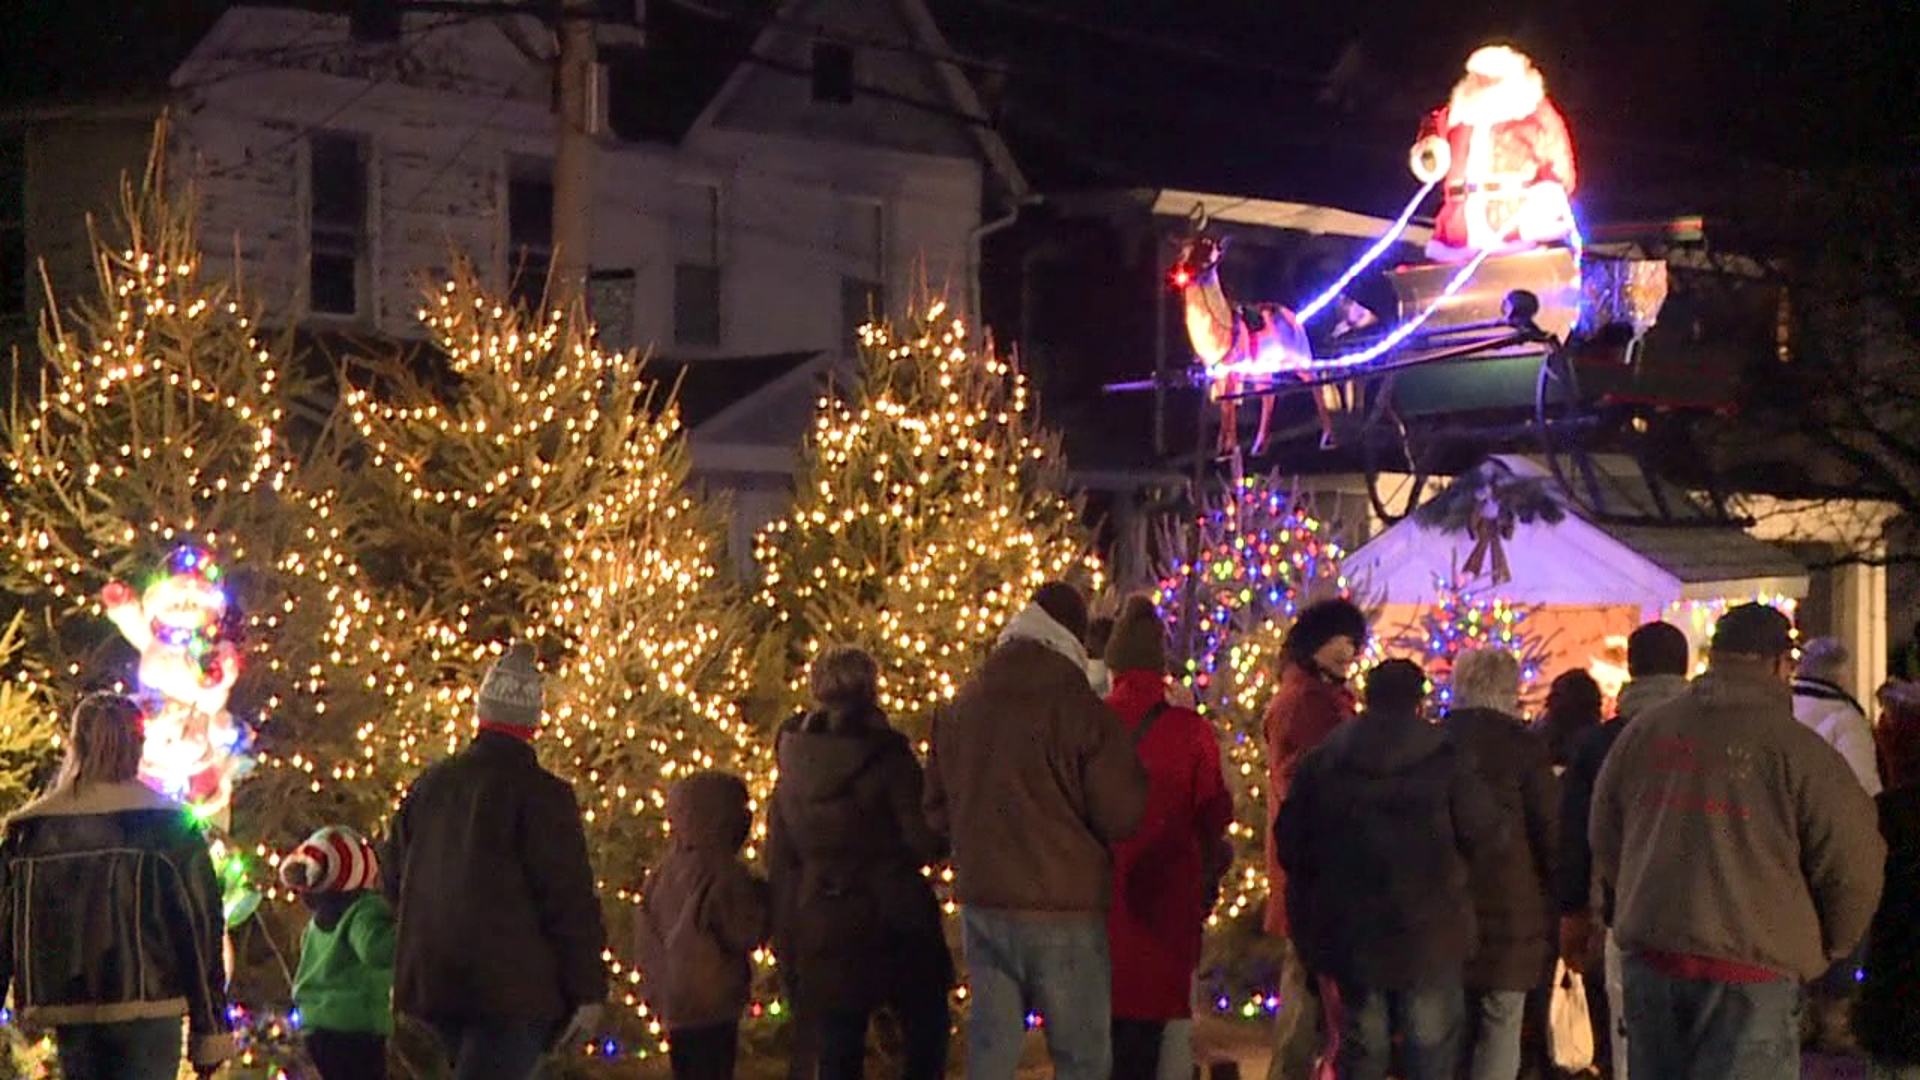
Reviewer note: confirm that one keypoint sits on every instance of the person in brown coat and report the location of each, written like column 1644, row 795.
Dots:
column 701, row 916
column 1315, row 659
column 1032, row 779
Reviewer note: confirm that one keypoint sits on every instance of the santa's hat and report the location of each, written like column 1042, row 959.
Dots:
column 1498, row 62
column 335, row 859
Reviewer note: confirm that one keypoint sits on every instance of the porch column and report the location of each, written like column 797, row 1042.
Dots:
column 1860, row 620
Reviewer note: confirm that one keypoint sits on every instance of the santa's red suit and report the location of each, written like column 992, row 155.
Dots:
column 1505, row 158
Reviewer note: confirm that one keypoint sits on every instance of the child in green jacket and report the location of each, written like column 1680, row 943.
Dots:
column 344, row 988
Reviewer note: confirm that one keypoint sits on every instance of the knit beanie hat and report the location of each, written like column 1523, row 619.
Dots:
column 511, row 696
column 1139, row 640
column 335, row 859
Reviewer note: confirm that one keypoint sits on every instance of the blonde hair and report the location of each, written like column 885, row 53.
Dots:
column 104, row 742
column 844, row 675
column 1486, row 678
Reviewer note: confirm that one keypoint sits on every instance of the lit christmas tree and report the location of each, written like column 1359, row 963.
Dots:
column 1254, row 557
column 538, row 492
column 151, row 429
column 1460, row 618
column 929, row 507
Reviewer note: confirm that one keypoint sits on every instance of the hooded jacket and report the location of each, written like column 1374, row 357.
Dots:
column 1376, row 836
column 487, row 847
column 1731, row 832
column 856, row 922
column 1841, row 723
column 1513, row 903
column 112, row 912
column 1573, row 883
column 1160, row 873
column 701, row 913
column 1307, row 708
column 1031, row 778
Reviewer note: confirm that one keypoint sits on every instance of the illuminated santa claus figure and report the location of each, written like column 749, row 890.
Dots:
column 1502, row 153
column 188, row 665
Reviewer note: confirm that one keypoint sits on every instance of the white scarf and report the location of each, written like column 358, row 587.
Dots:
column 1034, row 624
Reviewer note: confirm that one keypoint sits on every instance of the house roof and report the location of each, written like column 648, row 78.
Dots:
column 1583, row 561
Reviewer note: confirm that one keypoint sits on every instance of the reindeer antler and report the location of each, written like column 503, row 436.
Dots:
column 1197, row 217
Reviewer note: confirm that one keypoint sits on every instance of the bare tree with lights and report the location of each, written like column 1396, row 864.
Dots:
column 930, row 504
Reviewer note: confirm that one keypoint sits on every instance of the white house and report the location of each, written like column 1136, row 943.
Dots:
column 761, row 183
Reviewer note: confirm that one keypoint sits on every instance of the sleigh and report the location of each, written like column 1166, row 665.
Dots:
column 1539, row 350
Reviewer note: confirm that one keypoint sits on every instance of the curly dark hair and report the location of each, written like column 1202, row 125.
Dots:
column 1320, row 623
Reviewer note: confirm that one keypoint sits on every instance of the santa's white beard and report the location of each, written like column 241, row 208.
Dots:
column 1477, row 101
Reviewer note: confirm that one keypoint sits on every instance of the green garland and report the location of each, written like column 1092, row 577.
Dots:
column 1521, row 500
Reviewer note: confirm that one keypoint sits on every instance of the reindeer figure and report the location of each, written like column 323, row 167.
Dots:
column 1263, row 335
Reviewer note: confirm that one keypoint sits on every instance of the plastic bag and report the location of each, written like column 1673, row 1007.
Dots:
column 1569, row 1027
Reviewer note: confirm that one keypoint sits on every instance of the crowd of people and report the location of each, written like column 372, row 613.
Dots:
column 1711, row 859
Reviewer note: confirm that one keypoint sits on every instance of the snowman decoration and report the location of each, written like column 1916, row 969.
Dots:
column 188, row 665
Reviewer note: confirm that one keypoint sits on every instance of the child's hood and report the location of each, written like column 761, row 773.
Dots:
column 708, row 812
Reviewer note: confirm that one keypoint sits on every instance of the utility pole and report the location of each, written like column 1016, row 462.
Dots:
column 574, row 158
column 576, row 63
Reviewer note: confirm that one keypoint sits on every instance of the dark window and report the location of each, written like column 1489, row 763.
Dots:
column 832, row 73
column 529, row 229
column 13, row 225
column 696, row 269
column 337, row 241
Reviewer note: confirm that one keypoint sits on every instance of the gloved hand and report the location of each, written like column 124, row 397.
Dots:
column 1576, row 940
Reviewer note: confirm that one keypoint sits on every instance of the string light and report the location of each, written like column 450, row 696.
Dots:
column 1258, row 555
column 1461, row 618
column 929, row 509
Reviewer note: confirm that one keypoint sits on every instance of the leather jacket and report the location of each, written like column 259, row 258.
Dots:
column 110, row 911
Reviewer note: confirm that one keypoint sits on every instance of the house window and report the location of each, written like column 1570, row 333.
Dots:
column 696, row 265
column 337, row 224
column 529, row 229
column 13, row 225
column 832, row 73
column 861, row 243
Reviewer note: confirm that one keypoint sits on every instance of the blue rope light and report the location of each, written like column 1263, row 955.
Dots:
column 1379, row 248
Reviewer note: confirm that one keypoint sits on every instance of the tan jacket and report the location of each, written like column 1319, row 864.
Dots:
column 1733, row 832
column 1031, row 777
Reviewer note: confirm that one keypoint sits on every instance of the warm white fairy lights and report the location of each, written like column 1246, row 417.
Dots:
column 543, row 496
column 929, row 508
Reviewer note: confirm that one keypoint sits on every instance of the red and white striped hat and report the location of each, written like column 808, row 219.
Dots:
column 335, row 859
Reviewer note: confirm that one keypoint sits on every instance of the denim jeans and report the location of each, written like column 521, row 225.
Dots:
column 126, row 1050
column 492, row 1049
column 1691, row 1029
column 1296, row 1024
column 1430, row 1022
column 1057, row 966
column 1497, row 1016
column 1617, row 1007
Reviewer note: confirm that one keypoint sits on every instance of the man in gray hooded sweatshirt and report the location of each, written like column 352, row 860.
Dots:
column 1658, row 658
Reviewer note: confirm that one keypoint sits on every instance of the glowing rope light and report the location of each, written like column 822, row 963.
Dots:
column 1384, row 345
column 1379, row 248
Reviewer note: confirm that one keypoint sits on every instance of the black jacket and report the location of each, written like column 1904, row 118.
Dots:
column 1375, row 835
column 1573, row 872
column 854, row 919
column 488, row 872
column 112, row 912
column 1883, row 1018
column 1511, row 898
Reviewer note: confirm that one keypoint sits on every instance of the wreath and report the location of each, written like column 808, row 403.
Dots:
column 1486, row 503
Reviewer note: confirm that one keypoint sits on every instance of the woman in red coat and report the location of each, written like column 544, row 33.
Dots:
column 1161, row 874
